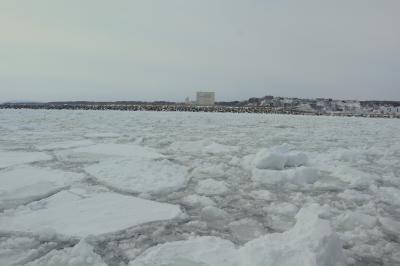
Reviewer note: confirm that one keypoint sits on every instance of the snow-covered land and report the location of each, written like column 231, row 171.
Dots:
column 188, row 189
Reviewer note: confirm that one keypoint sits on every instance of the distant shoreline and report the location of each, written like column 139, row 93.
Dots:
column 183, row 108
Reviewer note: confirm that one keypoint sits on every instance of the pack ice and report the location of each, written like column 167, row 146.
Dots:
column 26, row 184
column 148, row 188
column 80, row 213
column 310, row 242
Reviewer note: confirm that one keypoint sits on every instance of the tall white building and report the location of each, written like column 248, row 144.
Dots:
column 205, row 98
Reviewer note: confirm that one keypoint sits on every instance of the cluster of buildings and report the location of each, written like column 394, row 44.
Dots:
column 203, row 98
column 205, row 102
column 329, row 106
column 319, row 106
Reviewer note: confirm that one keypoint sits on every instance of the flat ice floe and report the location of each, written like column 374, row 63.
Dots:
column 310, row 242
column 101, row 151
column 79, row 213
column 10, row 158
column 203, row 146
column 139, row 174
column 120, row 150
column 64, row 145
column 25, row 184
column 102, row 135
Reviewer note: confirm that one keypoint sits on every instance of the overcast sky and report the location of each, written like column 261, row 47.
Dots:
column 166, row 50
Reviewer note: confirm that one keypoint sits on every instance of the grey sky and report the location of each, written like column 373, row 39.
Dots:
column 153, row 50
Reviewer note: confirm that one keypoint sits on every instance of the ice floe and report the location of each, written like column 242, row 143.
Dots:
column 211, row 187
column 197, row 201
column 310, row 242
column 101, row 135
column 277, row 158
column 301, row 176
column 26, row 184
column 79, row 213
column 262, row 195
column 140, row 174
column 10, row 158
column 120, row 150
column 81, row 254
column 64, row 145
column 215, row 217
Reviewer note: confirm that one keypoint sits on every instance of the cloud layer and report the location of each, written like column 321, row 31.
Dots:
column 151, row 50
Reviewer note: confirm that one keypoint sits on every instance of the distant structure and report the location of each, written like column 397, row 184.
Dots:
column 187, row 100
column 205, row 98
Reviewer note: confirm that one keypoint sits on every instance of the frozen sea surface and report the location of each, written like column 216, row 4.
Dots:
column 144, row 188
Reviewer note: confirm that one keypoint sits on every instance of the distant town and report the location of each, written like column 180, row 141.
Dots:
column 205, row 102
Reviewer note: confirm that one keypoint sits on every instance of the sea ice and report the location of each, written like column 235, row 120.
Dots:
column 81, row 254
column 304, row 175
column 102, row 135
column 391, row 227
column 16, row 249
column 80, row 213
column 299, row 176
column 25, row 184
column 10, row 158
column 354, row 196
column 389, row 195
column 282, row 208
column 351, row 220
column 310, row 242
column 273, row 161
column 197, row 200
column 140, row 174
column 214, row 216
column 355, row 173
column 64, row 145
column 211, row 187
column 262, row 195
column 120, row 150
column 278, row 158
column 246, row 229
column 203, row 146
column 201, row 251
column 216, row 148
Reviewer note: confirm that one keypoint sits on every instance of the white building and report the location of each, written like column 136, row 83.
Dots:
column 187, row 100
column 205, row 98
